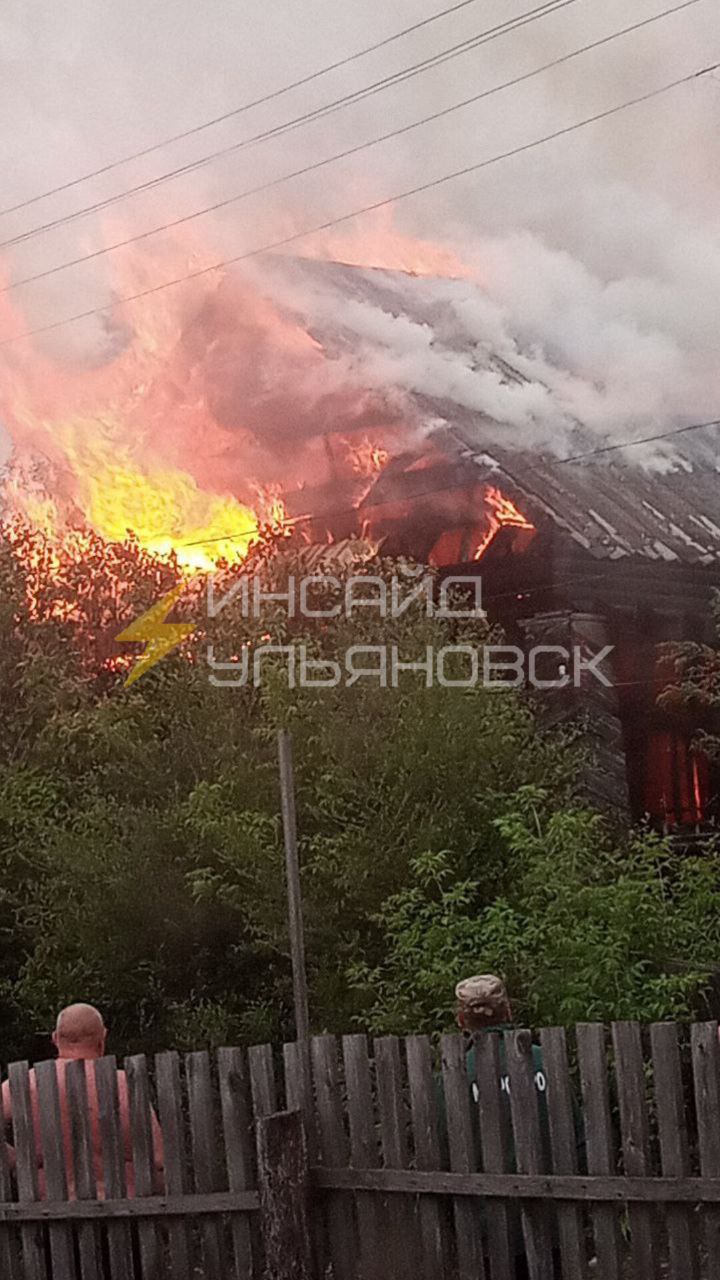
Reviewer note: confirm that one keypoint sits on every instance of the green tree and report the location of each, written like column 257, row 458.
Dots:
column 139, row 832
column 694, row 685
column 583, row 928
column 140, row 847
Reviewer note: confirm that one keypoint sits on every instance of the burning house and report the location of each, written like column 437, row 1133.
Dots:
column 600, row 550
column 591, row 553
column 348, row 400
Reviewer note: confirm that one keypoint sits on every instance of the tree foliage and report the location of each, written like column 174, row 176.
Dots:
column 141, row 855
column 581, row 929
column 694, row 686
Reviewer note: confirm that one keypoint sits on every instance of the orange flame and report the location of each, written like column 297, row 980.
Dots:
column 376, row 241
column 366, row 458
column 180, row 430
column 501, row 513
column 126, row 446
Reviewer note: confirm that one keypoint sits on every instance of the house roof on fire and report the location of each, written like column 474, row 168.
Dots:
column 614, row 505
column 611, row 509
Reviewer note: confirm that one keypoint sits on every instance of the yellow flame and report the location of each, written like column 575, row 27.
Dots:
column 163, row 507
column 168, row 512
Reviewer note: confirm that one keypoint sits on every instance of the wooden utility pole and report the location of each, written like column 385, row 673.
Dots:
column 292, row 865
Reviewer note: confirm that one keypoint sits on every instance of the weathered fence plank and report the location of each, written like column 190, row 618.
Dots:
column 402, row 1236
column 543, row 1188
column 411, row 1182
column 461, row 1142
column 495, row 1133
column 262, row 1080
column 119, row 1237
column 299, row 1096
column 529, row 1156
column 9, row 1242
column 674, row 1154
column 26, row 1171
column 706, row 1073
column 424, row 1113
column 563, row 1146
column 364, row 1153
column 299, row 1090
column 334, row 1154
column 205, row 1157
column 599, row 1144
column 170, row 1107
column 238, row 1152
column 635, row 1133
column 164, row 1208
column 56, row 1187
column 143, row 1152
column 83, row 1158
column 379, row 1135
column 283, row 1181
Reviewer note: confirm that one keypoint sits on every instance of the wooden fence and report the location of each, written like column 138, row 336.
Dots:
column 376, row 1161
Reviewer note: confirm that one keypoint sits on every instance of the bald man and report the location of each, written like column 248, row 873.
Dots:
column 80, row 1033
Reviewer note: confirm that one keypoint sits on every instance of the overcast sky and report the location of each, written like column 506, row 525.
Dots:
column 630, row 203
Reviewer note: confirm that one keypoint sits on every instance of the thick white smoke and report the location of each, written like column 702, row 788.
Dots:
column 597, row 256
column 623, row 355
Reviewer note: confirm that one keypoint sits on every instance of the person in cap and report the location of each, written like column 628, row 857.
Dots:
column 482, row 1003
column 483, row 1006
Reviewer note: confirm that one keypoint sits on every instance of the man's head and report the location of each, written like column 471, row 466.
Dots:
column 80, row 1032
column 482, row 1002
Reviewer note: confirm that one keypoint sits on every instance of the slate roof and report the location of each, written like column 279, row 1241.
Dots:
column 612, row 505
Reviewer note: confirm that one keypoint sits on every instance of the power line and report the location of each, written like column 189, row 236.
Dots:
column 628, row 444
column 318, row 113
column 350, row 151
column 334, row 513
column 236, row 111
column 356, row 213
column 290, row 522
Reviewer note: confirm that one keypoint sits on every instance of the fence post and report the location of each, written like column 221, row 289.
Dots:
column 284, row 1185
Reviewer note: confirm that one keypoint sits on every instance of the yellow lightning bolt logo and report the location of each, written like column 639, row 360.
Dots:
column 160, row 636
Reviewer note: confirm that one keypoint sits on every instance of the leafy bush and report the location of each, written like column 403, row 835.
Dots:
column 141, row 857
column 581, row 929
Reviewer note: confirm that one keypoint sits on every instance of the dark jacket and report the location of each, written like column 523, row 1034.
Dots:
column 504, row 1088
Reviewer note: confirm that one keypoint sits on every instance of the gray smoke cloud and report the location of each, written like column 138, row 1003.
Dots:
column 597, row 256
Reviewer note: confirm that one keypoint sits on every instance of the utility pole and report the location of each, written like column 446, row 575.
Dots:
column 292, row 867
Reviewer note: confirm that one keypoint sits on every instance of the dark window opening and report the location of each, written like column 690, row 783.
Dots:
column 676, row 783
column 671, row 782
